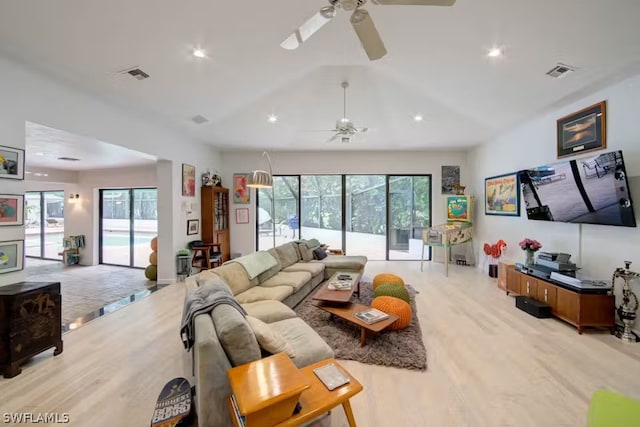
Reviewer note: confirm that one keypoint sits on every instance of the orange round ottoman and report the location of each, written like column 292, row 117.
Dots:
column 395, row 306
column 385, row 278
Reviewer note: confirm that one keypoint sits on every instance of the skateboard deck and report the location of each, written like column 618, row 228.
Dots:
column 173, row 407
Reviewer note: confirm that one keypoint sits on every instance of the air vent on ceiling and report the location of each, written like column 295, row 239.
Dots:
column 198, row 119
column 560, row 71
column 135, row 72
column 69, row 159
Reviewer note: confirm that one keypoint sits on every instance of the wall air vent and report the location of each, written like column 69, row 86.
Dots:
column 560, row 70
column 135, row 72
column 69, row 159
column 198, row 119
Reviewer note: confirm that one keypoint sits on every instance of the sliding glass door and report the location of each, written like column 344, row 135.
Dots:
column 366, row 214
column 44, row 224
column 278, row 210
column 128, row 222
column 379, row 216
column 321, row 209
column 409, row 214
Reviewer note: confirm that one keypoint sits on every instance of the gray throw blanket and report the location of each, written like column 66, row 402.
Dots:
column 200, row 301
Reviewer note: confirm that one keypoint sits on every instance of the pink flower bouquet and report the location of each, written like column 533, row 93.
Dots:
column 530, row 245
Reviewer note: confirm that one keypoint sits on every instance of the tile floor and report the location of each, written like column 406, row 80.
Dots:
column 90, row 291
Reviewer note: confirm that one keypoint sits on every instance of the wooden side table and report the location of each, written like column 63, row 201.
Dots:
column 267, row 390
column 317, row 399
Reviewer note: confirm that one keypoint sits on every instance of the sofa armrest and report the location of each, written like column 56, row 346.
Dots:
column 212, row 384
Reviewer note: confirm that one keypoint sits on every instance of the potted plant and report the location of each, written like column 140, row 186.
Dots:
column 494, row 251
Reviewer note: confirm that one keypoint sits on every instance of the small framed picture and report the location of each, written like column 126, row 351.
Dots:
column 193, row 226
column 242, row 216
column 11, row 209
column 582, row 131
column 188, row 180
column 502, row 195
column 11, row 256
column 11, row 163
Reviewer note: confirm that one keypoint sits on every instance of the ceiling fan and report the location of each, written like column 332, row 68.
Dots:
column 360, row 20
column 345, row 130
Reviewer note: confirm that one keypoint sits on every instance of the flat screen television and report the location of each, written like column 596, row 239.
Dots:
column 591, row 190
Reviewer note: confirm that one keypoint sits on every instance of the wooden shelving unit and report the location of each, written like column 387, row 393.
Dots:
column 215, row 218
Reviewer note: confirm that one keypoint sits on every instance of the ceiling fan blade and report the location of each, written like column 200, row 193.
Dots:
column 368, row 34
column 333, row 138
column 362, row 130
column 415, row 2
column 309, row 28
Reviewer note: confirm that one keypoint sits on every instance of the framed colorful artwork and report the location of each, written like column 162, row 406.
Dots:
column 193, row 226
column 502, row 195
column 11, row 209
column 241, row 193
column 11, row 256
column 188, row 180
column 583, row 131
column 11, row 163
column 242, row 216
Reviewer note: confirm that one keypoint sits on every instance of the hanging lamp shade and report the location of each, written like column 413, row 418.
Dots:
column 260, row 179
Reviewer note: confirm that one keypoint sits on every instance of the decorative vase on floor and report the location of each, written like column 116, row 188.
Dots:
column 493, row 270
column 530, row 258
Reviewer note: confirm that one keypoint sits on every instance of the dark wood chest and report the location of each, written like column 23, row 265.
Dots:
column 30, row 322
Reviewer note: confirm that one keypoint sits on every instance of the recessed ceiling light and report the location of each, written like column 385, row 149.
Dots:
column 272, row 118
column 418, row 118
column 39, row 154
column 199, row 53
column 495, row 52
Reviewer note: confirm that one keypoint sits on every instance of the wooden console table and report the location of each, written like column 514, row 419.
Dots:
column 575, row 306
column 267, row 390
column 30, row 322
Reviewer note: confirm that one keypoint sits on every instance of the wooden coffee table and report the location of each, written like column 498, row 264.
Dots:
column 348, row 313
column 328, row 296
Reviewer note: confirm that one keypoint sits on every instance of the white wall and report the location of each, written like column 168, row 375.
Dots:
column 604, row 248
column 27, row 95
column 331, row 162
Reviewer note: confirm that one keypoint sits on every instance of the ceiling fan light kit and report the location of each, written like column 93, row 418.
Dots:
column 360, row 20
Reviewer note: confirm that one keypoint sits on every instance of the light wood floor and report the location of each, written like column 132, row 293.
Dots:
column 489, row 363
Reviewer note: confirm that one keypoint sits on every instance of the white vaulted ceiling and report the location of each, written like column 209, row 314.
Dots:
column 436, row 65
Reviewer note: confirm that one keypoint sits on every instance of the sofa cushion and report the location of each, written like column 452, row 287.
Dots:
column 314, row 268
column 213, row 282
column 294, row 279
column 269, row 311
column 307, row 345
column 236, row 277
column 235, row 335
column 288, row 254
column 273, row 270
column 306, row 253
column 349, row 263
column 268, row 338
column 261, row 293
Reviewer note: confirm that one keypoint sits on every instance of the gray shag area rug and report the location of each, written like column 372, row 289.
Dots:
column 400, row 349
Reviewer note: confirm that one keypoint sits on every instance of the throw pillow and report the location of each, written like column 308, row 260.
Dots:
column 268, row 338
column 318, row 253
column 305, row 252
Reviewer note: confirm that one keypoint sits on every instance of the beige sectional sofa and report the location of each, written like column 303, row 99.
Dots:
column 223, row 337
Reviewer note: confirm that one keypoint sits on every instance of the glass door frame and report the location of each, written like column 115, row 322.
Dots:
column 43, row 225
column 131, row 192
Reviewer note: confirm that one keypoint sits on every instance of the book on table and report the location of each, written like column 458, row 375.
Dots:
column 331, row 376
column 371, row 315
column 339, row 285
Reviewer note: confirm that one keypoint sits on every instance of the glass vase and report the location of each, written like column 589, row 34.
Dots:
column 530, row 258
